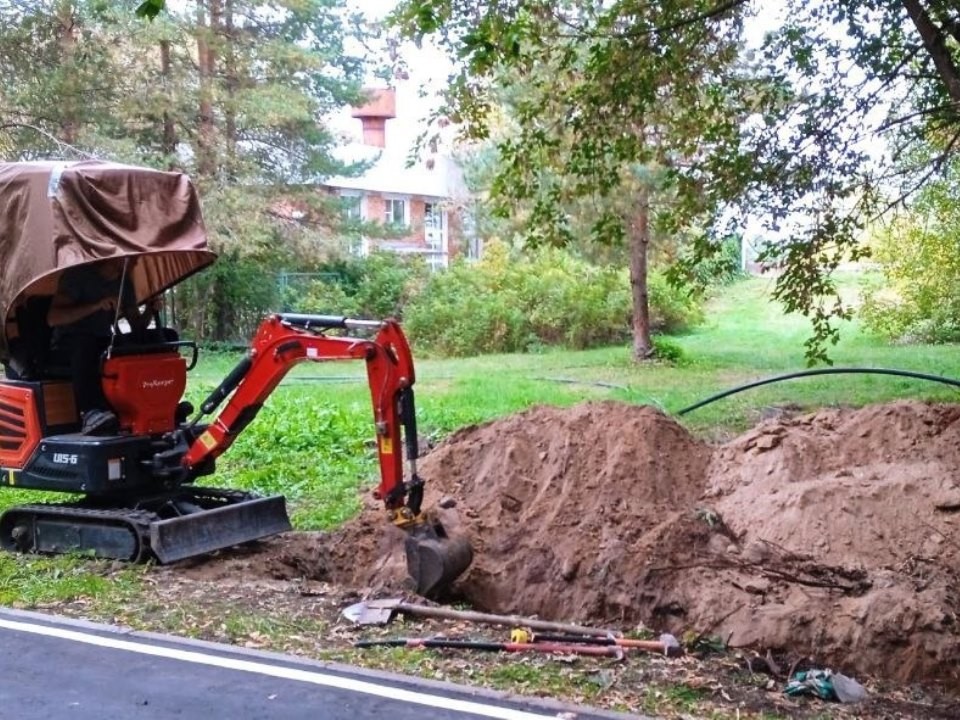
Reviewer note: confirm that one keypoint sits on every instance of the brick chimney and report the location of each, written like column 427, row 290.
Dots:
column 380, row 107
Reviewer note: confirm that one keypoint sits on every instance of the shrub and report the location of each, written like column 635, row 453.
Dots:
column 918, row 298
column 668, row 351
column 460, row 313
column 673, row 309
column 325, row 297
column 720, row 267
column 374, row 287
column 509, row 302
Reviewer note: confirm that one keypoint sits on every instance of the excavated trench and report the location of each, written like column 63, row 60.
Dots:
column 835, row 535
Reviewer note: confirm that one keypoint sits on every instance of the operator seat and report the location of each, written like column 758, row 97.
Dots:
column 31, row 351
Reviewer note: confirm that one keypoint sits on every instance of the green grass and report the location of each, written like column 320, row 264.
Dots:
column 36, row 581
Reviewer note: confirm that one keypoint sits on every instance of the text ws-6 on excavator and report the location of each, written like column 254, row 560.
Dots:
column 71, row 230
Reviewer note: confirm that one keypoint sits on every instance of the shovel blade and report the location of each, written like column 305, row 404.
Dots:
column 372, row 612
column 434, row 561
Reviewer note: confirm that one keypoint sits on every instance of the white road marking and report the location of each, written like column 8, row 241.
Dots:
column 286, row 673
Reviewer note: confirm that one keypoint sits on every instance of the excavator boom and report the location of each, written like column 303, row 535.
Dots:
column 281, row 342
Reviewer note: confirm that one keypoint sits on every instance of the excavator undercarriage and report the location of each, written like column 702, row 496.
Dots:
column 170, row 527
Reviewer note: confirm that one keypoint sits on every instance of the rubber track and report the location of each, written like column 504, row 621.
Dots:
column 136, row 520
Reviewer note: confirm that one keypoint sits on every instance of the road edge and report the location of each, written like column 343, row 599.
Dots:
column 360, row 673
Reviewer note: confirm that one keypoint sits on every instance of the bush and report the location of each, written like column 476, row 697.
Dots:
column 918, row 298
column 509, row 302
column 668, row 351
column 460, row 313
column 378, row 286
column 672, row 309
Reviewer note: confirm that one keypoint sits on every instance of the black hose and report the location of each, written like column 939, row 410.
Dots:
column 821, row 371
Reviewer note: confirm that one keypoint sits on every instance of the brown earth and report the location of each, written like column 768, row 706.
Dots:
column 833, row 535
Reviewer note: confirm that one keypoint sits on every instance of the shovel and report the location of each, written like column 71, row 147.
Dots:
column 568, row 649
column 380, row 612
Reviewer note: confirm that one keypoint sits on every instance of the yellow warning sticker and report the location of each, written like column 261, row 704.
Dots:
column 207, row 440
column 386, row 446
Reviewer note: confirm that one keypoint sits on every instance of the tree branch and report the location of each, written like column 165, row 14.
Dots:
column 580, row 31
column 705, row 15
column 933, row 40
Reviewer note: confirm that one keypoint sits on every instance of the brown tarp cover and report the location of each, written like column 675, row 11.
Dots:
column 57, row 215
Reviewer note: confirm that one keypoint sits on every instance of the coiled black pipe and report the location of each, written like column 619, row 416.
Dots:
column 821, row 371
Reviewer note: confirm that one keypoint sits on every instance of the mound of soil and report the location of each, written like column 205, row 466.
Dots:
column 833, row 535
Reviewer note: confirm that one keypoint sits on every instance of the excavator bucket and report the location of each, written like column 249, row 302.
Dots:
column 435, row 560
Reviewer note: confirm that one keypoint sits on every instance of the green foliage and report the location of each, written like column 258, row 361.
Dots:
column 718, row 268
column 673, row 309
column 513, row 302
column 668, row 351
column 460, row 313
column 375, row 287
column 324, row 297
column 918, row 297
column 227, row 301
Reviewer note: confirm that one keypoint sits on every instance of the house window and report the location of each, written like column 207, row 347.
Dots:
column 396, row 212
column 433, row 223
column 352, row 209
column 434, row 235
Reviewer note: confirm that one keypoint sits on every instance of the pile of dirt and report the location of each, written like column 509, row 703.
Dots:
column 833, row 535
column 871, row 495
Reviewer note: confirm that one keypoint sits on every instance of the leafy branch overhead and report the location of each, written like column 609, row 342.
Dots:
column 150, row 9
column 779, row 130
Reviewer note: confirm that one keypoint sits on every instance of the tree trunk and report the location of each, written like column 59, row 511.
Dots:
column 207, row 66
column 935, row 43
column 169, row 142
column 639, row 244
column 68, row 46
column 230, row 72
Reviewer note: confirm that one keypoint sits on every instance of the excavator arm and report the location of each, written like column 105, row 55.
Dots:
column 281, row 342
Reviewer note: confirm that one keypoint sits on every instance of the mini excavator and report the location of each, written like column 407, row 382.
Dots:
column 139, row 500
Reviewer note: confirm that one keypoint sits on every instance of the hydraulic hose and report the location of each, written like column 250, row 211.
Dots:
column 820, row 371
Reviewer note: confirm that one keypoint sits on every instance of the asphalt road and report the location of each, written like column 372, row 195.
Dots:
column 52, row 669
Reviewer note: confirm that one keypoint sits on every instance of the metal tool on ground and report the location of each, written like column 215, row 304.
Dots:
column 381, row 612
column 667, row 645
column 490, row 646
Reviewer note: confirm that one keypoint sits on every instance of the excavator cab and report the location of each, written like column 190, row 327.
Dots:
column 136, row 485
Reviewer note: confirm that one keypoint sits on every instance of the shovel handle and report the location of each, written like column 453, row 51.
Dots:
column 594, row 650
column 509, row 620
column 634, row 644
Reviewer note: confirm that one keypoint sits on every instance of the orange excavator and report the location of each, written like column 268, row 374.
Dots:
column 136, row 480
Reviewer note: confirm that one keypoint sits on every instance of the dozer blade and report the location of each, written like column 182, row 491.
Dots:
column 217, row 528
column 433, row 561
